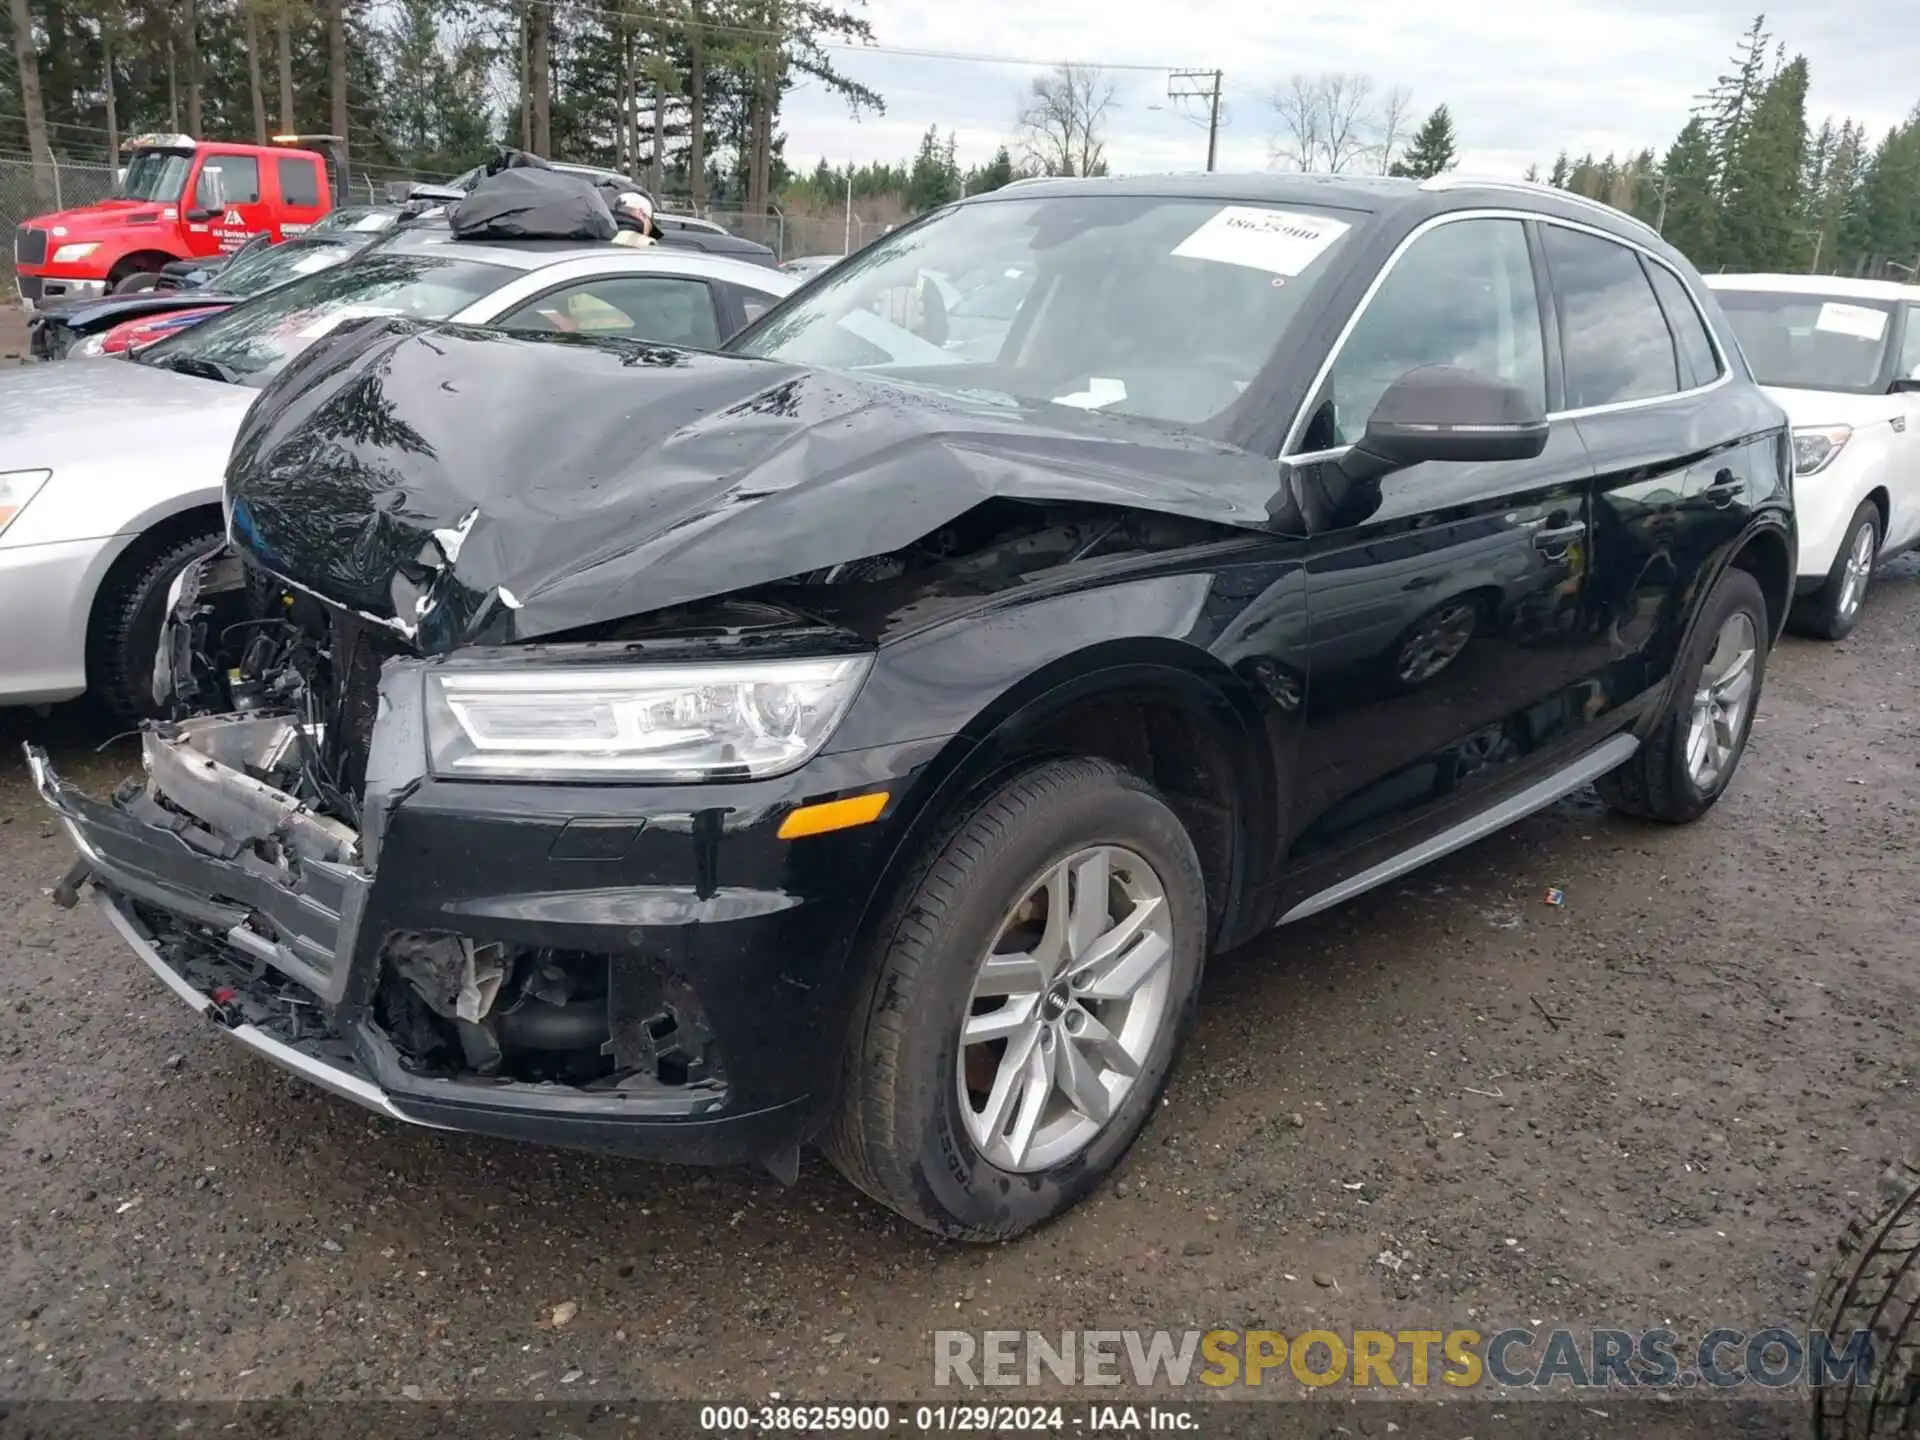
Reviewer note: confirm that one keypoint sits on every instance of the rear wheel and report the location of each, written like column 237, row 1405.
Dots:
column 1831, row 612
column 1690, row 758
column 127, row 618
column 1023, row 1003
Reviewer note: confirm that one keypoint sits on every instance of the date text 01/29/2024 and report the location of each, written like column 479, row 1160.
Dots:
column 731, row 1420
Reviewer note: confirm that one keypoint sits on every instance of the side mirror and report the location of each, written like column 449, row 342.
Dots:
column 1446, row 413
column 209, row 196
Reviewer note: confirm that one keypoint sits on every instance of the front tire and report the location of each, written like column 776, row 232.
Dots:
column 127, row 618
column 1831, row 612
column 1688, row 761
column 1023, row 1002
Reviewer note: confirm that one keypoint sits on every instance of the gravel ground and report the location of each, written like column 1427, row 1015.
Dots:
column 1446, row 1104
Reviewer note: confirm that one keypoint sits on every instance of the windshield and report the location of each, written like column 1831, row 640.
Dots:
column 1160, row 308
column 251, row 343
column 261, row 270
column 1807, row 342
column 155, row 175
column 340, row 221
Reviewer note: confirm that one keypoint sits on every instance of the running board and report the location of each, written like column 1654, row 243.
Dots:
column 1537, row 796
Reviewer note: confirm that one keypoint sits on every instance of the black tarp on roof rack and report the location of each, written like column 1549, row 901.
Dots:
column 521, row 197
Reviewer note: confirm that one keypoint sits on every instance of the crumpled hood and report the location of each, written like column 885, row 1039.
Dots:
column 467, row 485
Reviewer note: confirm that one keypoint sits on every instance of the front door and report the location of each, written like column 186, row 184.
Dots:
column 245, row 213
column 1445, row 655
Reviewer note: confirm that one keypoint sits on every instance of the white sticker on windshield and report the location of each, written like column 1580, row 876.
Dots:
column 1855, row 320
column 1281, row 242
column 1099, row 392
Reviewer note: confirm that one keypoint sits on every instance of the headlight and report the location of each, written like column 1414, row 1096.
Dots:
column 92, row 345
column 1813, row 450
column 637, row 722
column 17, row 487
column 68, row 254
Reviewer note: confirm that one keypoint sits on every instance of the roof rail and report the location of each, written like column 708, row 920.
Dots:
column 1535, row 187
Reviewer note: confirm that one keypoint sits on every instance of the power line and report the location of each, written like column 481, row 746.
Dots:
column 1200, row 85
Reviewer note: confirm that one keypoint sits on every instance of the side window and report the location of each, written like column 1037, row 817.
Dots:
column 661, row 308
column 299, row 181
column 1462, row 294
column 239, row 177
column 1616, row 340
column 1697, row 361
column 1910, row 348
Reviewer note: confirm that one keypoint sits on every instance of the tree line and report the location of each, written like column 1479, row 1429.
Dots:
column 684, row 97
column 1749, row 184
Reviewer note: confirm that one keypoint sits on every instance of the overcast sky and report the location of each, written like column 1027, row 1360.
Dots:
column 1524, row 80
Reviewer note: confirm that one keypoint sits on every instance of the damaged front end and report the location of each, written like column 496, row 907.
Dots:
column 242, row 868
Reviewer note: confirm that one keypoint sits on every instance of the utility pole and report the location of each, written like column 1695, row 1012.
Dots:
column 1200, row 85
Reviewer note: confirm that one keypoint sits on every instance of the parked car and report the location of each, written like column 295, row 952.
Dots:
column 1843, row 357
column 107, row 327
column 110, row 473
column 181, row 199
column 695, row 755
column 805, row 267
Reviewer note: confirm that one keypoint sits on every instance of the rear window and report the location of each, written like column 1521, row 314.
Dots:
column 1811, row 342
column 299, row 181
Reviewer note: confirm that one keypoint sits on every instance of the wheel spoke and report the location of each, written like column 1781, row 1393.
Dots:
column 1734, row 689
column 1009, row 1082
column 1001, row 1024
column 1051, row 952
column 1036, row 1088
column 1020, row 973
column 1101, row 1043
column 1079, row 1080
column 1089, row 918
column 1696, row 747
column 1130, row 970
column 1103, row 951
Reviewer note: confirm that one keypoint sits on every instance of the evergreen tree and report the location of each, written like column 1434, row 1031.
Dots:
column 1729, row 104
column 994, row 174
column 1689, row 211
column 1432, row 149
column 1887, row 224
column 1760, row 194
column 1560, row 173
column 933, row 181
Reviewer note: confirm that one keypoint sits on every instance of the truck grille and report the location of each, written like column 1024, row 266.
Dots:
column 29, row 246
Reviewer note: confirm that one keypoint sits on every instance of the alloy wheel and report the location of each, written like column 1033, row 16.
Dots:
column 1067, row 1005
column 1858, row 570
column 1721, row 700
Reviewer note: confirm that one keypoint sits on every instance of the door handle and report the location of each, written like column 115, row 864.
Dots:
column 1556, row 539
column 1724, row 492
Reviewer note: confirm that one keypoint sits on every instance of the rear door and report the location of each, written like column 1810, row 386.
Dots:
column 665, row 309
column 297, row 179
column 1444, row 657
column 1672, row 492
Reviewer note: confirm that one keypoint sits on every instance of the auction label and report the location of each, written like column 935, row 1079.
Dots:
column 1281, row 242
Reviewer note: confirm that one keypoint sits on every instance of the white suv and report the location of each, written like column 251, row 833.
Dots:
column 1842, row 357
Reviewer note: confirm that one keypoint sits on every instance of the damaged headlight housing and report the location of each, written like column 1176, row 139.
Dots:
column 637, row 722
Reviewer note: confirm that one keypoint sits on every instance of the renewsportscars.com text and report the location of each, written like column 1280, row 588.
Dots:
column 1512, row 1359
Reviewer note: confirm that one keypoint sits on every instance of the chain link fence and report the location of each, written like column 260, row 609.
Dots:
column 25, row 193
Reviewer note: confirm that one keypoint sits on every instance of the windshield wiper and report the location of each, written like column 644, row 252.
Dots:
column 195, row 365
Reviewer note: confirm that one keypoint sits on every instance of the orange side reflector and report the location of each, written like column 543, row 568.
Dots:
column 833, row 815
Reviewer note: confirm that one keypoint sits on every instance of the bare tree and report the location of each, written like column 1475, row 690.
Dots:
column 1336, row 121
column 1062, row 120
column 1394, row 113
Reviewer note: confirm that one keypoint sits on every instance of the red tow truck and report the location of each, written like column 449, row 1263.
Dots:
column 179, row 199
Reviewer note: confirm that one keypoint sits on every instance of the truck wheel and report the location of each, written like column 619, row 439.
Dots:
column 137, row 283
column 1689, row 759
column 1831, row 612
column 1873, row 1289
column 1022, row 1004
column 127, row 616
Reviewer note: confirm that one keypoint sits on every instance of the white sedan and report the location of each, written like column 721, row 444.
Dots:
column 111, row 471
column 1843, row 359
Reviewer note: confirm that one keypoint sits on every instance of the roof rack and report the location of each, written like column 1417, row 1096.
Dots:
column 1533, row 187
